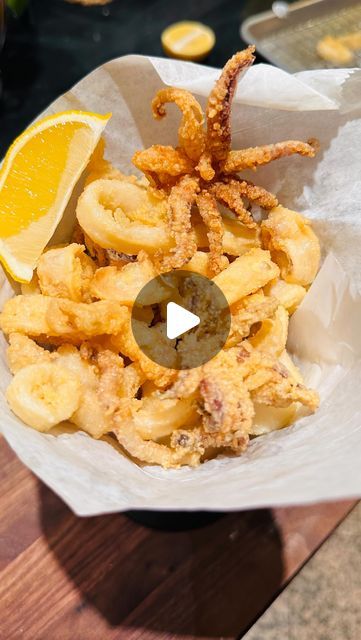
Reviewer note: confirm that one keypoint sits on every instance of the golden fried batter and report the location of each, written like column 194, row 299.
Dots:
column 130, row 231
column 208, row 210
column 163, row 160
column 247, row 312
column 180, row 202
column 40, row 315
column 22, row 351
column 230, row 196
column 191, row 133
column 151, row 452
column 256, row 156
column 254, row 193
column 66, row 272
column 220, row 102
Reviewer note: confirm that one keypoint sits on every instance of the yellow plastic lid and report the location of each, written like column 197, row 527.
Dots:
column 188, row 40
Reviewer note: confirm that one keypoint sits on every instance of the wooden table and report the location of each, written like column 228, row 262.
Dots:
column 106, row 578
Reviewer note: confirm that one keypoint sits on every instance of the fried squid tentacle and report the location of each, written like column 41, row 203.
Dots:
column 227, row 404
column 231, row 197
column 254, row 157
column 246, row 313
column 220, row 101
column 191, row 133
column 196, row 440
column 180, row 202
column 152, row 452
column 204, row 167
column 211, row 217
column 282, row 389
column 270, row 382
column 226, row 408
column 257, row 195
column 160, row 159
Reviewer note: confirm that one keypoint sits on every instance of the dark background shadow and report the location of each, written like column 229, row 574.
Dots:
column 205, row 581
column 55, row 43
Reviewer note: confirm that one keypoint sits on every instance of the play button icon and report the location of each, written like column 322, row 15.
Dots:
column 181, row 319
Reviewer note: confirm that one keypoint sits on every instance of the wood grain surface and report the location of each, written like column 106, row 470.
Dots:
column 66, row 578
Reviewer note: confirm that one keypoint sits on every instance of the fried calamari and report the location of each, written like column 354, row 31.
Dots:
column 204, row 159
column 72, row 346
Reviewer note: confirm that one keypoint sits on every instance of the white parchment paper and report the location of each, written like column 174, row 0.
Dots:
column 319, row 457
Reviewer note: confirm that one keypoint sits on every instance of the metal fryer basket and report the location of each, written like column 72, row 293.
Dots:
column 290, row 42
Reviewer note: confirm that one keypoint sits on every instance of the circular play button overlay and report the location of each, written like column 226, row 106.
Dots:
column 181, row 319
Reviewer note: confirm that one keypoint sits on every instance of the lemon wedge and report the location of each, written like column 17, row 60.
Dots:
column 188, row 40
column 38, row 175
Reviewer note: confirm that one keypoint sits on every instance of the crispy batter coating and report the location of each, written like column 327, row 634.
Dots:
column 282, row 390
column 231, row 196
column 101, row 257
column 129, row 231
column 288, row 294
column 150, row 452
column 198, row 440
column 227, row 406
column 228, row 386
column 164, row 160
column 271, row 382
column 293, row 244
column 106, row 385
column 211, row 217
column 23, row 351
column 246, row 313
column 245, row 275
column 253, row 193
column 191, row 133
column 180, row 202
column 204, row 166
column 200, row 263
column 124, row 217
column 272, row 335
column 158, row 416
column 254, row 157
column 125, row 343
column 40, row 315
column 220, row 101
column 66, row 272
column 124, row 284
column 44, row 394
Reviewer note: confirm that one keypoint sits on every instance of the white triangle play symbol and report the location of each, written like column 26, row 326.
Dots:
column 179, row 320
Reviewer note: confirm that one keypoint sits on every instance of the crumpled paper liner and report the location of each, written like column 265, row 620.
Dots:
column 319, row 457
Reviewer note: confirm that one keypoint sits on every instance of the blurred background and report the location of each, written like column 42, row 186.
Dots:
column 54, row 43
column 48, row 45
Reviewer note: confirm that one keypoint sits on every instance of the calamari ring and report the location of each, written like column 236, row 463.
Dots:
column 102, row 214
column 158, row 416
column 191, row 134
